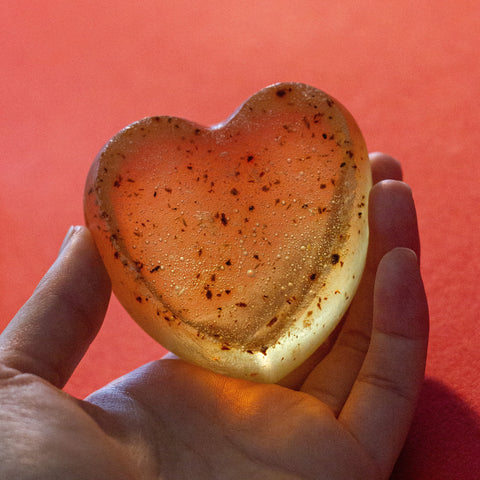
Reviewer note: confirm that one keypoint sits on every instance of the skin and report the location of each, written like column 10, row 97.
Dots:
column 344, row 414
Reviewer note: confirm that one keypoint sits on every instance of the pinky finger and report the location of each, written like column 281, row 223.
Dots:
column 380, row 408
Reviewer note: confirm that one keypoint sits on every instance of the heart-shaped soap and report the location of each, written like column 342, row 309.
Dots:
column 238, row 247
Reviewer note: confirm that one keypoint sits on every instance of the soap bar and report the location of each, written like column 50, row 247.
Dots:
column 238, row 247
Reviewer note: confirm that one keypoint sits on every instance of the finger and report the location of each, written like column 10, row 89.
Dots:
column 295, row 379
column 392, row 224
column 383, row 167
column 380, row 408
column 52, row 331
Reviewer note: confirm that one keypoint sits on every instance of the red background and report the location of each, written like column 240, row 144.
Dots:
column 74, row 73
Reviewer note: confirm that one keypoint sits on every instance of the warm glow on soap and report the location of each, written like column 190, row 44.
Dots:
column 238, row 247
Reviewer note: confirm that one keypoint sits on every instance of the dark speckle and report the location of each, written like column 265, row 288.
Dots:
column 335, row 258
column 272, row 321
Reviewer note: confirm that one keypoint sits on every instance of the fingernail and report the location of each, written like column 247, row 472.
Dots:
column 67, row 239
column 410, row 252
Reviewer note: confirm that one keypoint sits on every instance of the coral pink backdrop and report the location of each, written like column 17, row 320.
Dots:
column 74, row 73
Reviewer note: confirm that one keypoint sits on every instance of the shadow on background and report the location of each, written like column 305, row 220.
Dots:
column 444, row 442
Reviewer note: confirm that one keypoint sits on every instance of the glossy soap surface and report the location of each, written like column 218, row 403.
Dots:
column 238, row 247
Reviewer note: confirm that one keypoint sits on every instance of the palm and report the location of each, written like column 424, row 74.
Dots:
column 224, row 428
column 342, row 417
column 207, row 424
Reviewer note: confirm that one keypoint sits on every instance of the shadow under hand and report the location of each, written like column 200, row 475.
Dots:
column 444, row 441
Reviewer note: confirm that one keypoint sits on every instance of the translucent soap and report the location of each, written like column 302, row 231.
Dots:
column 238, row 247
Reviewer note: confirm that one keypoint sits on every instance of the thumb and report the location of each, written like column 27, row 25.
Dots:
column 52, row 331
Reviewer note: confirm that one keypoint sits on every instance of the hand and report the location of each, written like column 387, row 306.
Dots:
column 343, row 417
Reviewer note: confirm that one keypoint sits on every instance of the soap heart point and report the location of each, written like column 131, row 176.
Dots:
column 238, row 247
